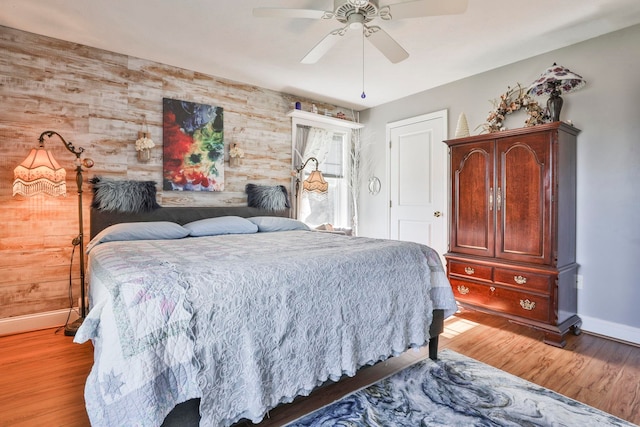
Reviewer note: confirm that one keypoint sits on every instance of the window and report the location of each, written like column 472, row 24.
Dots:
column 334, row 207
column 329, row 141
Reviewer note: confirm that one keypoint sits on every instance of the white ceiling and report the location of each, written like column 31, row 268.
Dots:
column 223, row 39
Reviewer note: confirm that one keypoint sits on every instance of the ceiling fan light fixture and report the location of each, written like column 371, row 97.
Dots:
column 344, row 9
column 356, row 21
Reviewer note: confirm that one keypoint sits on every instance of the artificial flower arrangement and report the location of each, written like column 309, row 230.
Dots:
column 144, row 143
column 236, row 151
column 510, row 101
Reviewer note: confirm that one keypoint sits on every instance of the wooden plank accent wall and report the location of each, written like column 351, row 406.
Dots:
column 99, row 100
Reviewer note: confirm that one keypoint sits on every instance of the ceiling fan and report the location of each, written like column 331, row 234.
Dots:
column 356, row 14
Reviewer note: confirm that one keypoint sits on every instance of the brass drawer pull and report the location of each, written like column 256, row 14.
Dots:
column 527, row 305
column 469, row 270
column 520, row 280
column 463, row 289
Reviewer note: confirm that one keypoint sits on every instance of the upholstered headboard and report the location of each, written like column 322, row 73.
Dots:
column 117, row 201
column 101, row 219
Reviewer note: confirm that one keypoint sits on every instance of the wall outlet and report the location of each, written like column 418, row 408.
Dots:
column 579, row 281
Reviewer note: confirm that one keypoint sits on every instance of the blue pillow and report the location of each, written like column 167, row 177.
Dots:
column 155, row 230
column 221, row 225
column 277, row 223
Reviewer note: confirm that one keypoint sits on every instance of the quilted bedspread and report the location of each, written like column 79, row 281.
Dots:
column 246, row 322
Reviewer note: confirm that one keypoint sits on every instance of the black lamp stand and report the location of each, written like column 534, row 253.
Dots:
column 554, row 103
column 70, row 329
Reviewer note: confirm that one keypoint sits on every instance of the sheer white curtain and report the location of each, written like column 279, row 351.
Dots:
column 312, row 142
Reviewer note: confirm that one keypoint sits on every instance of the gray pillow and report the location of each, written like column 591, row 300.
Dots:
column 221, row 225
column 267, row 197
column 123, row 195
column 126, row 231
column 276, row 223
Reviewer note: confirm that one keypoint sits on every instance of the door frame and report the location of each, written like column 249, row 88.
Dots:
column 444, row 115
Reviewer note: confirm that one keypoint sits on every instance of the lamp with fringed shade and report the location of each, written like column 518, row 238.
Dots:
column 315, row 183
column 40, row 173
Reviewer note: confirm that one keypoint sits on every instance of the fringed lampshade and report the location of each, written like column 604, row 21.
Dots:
column 39, row 173
column 315, row 183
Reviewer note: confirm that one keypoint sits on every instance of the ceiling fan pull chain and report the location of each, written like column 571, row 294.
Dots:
column 364, row 95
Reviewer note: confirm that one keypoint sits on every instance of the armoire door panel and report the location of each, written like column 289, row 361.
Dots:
column 523, row 196
column 472, row 200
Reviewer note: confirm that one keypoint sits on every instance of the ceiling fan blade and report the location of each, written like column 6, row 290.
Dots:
column 420, row 8
column 275, row 12
column 323, row 46
column 386, row 44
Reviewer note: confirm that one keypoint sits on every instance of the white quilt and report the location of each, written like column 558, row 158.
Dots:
column 246, row 322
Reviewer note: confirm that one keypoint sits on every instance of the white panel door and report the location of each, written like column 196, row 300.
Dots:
column 418, row 180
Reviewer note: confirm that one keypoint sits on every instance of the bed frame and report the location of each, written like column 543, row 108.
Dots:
column 179, row 214
column 187, row 413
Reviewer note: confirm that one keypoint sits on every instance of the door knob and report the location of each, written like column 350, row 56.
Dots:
column 437, row 214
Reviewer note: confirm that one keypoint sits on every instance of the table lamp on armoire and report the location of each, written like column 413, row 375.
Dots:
column 40, row 173
column 555, row 81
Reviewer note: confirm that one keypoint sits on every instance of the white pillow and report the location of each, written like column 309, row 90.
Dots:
column 277, row 223
column 154, row 230
column 221, row 225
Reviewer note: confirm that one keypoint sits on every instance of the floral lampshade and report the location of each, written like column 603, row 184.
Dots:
column 556, row 77
column 39, row 173
column 555, row 81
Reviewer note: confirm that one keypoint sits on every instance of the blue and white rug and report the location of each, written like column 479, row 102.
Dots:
column 456, row 391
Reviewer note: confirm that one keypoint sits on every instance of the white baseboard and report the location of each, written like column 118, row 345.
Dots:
column 611, row 329
column 34, row 322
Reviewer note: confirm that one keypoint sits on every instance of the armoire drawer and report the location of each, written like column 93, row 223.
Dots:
column 524, row 280
column 471, row 270
column 530, row 306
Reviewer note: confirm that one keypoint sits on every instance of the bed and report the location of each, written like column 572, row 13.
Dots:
column 244, row 311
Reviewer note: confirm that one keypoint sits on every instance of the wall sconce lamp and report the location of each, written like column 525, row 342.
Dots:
column 41, row 173
column 554, row 81
column 315, row 183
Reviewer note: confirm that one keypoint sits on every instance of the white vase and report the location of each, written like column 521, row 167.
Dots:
column 462, row 129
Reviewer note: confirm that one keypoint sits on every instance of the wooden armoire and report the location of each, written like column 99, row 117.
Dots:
column 512, row 240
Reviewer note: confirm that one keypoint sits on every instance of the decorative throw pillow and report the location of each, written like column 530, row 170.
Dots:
column 221, row 225
column 267, row 197
column 123, row 195
column 126, row 231
column 276, row 223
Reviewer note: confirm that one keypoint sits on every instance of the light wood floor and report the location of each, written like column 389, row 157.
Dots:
column 42, row 374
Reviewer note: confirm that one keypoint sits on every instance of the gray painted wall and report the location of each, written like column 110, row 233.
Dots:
column 607, row 110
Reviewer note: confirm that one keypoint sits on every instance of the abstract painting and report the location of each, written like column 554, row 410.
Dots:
column 193, row 146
